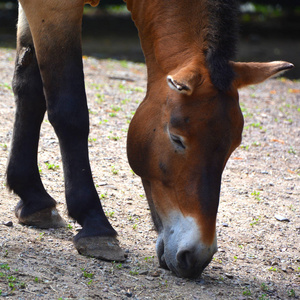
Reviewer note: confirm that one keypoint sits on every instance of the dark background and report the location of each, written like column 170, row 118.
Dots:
column 269, row 30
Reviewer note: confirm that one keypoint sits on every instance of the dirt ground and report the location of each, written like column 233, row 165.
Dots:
column 258, row 255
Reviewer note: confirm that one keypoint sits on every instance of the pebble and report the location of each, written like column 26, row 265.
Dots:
column 128, row 294
column 8, row 224
column 149, row 278
column 155, row 273
column 201, row 281
column 144, row 272
column 281, row 218
column 230, row 276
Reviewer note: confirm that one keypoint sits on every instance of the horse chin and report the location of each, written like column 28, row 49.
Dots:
column 182, row 251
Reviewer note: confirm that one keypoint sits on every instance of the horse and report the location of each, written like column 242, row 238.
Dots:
column 178, row 142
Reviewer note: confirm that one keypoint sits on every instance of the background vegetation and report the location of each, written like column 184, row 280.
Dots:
column 269, row 30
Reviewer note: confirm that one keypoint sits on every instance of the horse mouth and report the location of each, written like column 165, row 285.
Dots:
column 182, row 270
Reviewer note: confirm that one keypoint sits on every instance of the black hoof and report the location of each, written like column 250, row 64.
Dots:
column 46, row 218
column 105, row 248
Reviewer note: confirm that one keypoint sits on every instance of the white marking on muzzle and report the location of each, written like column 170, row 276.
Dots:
column 181, row 234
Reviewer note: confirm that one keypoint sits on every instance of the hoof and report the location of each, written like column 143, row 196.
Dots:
column 106, row 247
column 46, row 218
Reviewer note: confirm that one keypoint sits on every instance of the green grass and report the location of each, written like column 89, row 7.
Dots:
column 114, row 138
column 100, row 98
column 103, row 122
column 245, row 147
column 255, row 221
column 119, row 266
column 247, row 292
column 256, row 195
column 124, row 63
column 52, row 166
column 9, row 279
column 86, row 274
column 114, row 170
column 263, row 297
column 256, row 144
column 90, row 282
column 291, row 150
column 4, row 267
column 6, row 85
column 115, row 108
column 92, row 112
column 103, row 196
column 138, row 89
column 125, row 101
column 4, row 146
column 256, row 125
column 291, row 293
column 121, row 87
column 109, row 213
column 149, row 258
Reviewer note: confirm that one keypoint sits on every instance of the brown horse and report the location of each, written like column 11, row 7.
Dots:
column 179, row 140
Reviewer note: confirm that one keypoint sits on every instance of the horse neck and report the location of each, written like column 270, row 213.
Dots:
column 170, row 37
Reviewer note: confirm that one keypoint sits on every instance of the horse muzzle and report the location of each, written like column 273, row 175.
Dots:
column 180, row 249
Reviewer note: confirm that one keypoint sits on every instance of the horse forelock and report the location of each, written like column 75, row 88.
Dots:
column 220, row 40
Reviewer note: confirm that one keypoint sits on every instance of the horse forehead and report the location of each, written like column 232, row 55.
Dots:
column 184, row 110
column 190, row 111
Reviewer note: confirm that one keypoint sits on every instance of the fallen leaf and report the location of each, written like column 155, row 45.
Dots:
column 294, row 91
column 278, row 141
column 273, row 92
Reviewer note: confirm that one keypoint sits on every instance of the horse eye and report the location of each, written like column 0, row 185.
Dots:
column 177, row 141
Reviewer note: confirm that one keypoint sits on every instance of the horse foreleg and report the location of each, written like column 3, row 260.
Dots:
column 56, row 29
column 36, row 207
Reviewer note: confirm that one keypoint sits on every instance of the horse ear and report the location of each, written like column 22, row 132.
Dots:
column 92, row 2
column 185, row 80
column 253, row 73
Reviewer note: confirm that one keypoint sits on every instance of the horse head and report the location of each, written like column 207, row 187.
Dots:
column 179, row 142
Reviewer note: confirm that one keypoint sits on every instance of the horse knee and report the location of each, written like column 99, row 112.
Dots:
column 68, row 121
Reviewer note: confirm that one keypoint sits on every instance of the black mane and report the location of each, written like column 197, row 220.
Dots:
column 221, row 39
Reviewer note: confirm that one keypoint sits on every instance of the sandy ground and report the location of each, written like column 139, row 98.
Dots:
column 258, row 255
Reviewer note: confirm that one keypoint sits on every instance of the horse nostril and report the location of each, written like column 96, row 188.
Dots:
column 185, row 259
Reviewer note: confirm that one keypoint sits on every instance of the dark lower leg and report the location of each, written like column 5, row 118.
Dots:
column 60, row 62
column 68, row 113
column 69, row 117
column 22, row 172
